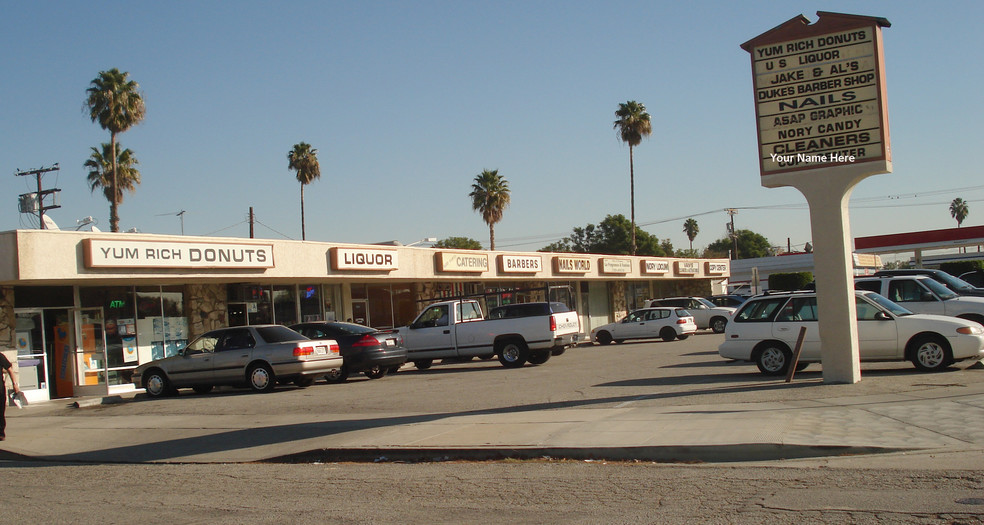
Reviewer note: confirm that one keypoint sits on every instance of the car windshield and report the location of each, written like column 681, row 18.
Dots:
column 891, row 306
column 942, row 291
column 706, row 303
column 279, row 334
column 955, row 283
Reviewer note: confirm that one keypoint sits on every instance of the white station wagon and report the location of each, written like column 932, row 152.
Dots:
column 765, row 329
column 648, row 323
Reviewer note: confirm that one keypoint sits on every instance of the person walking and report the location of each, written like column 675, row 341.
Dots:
column 5, row 366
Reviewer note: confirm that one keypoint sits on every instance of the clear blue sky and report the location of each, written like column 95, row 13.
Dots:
column 407, row 101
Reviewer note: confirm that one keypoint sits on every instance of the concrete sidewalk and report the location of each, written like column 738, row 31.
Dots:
column 948, row 418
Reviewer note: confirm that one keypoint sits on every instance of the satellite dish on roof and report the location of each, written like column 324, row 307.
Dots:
column 49, row 223
column 95, row 229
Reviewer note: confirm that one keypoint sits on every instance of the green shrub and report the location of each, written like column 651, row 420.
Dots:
column 790, row 281
column 956, row 268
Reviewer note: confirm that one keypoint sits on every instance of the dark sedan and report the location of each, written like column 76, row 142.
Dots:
column 364, row 349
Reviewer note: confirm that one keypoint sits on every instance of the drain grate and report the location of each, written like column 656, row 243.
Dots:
column 971, row 501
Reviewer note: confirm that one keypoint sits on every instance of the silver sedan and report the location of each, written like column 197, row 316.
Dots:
column 257, row 356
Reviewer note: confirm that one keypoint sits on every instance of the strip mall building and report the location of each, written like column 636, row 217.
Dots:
column 80, row 310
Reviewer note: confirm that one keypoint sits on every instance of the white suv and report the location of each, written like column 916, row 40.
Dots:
column 924, row 295
column 706, row 314
column 765, row 329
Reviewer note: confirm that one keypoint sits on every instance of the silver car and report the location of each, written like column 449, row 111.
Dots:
column 257, row 356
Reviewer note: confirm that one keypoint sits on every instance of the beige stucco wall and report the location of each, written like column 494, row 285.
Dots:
column 56, row 257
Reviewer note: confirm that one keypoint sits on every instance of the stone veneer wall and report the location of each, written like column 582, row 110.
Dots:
column 206, row 306
column 616, row 295
column 8, row 325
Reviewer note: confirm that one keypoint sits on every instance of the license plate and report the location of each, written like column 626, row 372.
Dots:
column 390, row 342
column 321, row 350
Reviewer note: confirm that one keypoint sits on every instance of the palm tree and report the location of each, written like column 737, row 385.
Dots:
column 303, row 159
column 114, row 102
column 101, row 168
column 490, row 196
column 959, row 210
column 632, row 124
column 691, row 229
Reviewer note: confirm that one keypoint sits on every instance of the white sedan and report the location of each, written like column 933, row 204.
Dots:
column 765, row 329
column 706, row 314
column 647, row 323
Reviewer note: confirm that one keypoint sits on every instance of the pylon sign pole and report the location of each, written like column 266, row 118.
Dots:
column 822, row 124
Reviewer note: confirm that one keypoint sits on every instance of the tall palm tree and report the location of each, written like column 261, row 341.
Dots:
column 959, row 210
column 691, row 229
column 632, row 124
column 114, row 102
column 101, row 168
column 303, row 159
column 490, row 196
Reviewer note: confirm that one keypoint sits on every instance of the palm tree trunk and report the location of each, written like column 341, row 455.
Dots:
column 632, row 197
column 302, row 212
column 114, row 205
column 492, row 236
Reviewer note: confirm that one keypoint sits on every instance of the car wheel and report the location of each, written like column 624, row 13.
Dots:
column 393, row 369
column 930, row 353
column 683, row 336
column 558, row 351
column 538, row 358
column 718, row 324
column 513, row 353
column 604, row 338
column 376, row 372
column 338, row 375
column 157, row 384
column 773, row 359
column 304, row 382
column 667, row 334
column 261, row 378
column 202, row 389
column 423, row 364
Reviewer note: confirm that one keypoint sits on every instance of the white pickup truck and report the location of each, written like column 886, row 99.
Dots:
column 516, row 333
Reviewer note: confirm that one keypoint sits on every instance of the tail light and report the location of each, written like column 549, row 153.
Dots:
column 553, row 324
column 300, row 351
column 682, row 320
column 366, row 340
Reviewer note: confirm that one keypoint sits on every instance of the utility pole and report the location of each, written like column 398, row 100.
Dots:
column 41, row 193
column 731, row 230
column 250, row 222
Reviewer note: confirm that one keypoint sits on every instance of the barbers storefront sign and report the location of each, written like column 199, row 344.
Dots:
column 106, row 253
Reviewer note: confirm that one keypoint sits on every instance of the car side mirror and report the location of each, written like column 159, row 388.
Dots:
column 927, row 296
column 882, row 316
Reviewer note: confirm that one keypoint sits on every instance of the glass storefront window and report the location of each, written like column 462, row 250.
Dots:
column 636, row 295
column 285, row 305
column 309, row 297
column 116, row 328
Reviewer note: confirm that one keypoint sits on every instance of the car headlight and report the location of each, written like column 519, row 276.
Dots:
column 971, row 330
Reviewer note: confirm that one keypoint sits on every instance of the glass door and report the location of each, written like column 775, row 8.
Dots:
column 90, row 354
column 32, row 362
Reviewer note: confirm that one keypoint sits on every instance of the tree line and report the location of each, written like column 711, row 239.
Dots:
column 115, row 102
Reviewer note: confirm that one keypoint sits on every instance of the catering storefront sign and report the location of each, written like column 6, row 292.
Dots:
column 567, row 265
column 373, row 259
column 655, row 266
column 520, row 263
column 112, row 253
column 617, row 266
column 459, row 262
